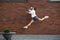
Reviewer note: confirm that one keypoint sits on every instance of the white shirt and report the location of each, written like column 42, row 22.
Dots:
column 32, row 12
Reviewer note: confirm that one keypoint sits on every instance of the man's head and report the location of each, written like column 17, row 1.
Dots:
column 32, row 8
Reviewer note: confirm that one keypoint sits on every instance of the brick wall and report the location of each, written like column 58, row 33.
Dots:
column 14, row 16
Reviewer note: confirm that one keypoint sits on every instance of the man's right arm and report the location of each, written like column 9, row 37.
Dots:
column 28, row 11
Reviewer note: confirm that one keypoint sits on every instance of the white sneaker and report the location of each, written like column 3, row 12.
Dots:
column 25, row 27
column 46, row 17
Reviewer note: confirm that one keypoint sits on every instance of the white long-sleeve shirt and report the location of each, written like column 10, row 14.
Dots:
column 33, row 13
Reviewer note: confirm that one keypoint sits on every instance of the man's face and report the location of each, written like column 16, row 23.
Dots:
column 31, row 8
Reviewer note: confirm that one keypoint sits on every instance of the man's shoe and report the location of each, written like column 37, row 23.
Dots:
column 25, row 27
column 46, row 17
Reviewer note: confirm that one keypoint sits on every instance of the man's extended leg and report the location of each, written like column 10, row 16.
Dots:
column 41, row 19
column 28, row 24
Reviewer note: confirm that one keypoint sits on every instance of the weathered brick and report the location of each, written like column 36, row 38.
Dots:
column 13, row 15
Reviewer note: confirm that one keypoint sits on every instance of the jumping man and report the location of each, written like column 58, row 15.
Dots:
column 34, row 17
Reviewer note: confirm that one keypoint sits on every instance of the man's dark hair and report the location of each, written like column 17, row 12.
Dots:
column 34, row 8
